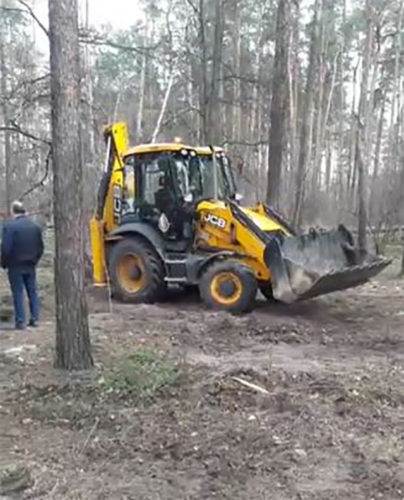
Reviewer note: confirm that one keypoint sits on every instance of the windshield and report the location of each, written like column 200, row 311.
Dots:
column 182, row 174
column 202, row 177
column 228, row 175
column 157, row 172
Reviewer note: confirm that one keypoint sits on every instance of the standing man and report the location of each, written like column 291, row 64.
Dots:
column 21, row 250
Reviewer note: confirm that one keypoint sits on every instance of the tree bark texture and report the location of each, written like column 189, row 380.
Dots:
column 73, row 349
column 306, row 121
column 212, row 132
column 376, row 162
column 6, row 119
column 203, row 91
column 279, row 103
column 362, row 142
column 362, row 209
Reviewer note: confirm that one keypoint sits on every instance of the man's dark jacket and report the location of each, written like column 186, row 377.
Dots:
column 21, row 243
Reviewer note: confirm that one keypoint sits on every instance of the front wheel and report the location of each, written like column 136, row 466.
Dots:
column 136, row 272
column 228, row 285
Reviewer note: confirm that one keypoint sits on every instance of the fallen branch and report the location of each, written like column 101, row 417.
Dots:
column 52, row 491
column 90, row 434
column 250, row 385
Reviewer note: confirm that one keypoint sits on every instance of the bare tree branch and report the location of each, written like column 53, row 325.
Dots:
column 30, row 11
column 99, row 41
column 26, row 83
column 194, row 8
column 41, row 182
column 18, row 130
column 229, row 142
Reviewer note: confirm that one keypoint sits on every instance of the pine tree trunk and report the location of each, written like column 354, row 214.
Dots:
column 203, row 92
column 362, row 212
column 350, row 184
column 89, row 90
column 279, row 102
column 400, row 211
column 324, row 128
column 73, row 350
column 396, row 92
column 328, row 168
column 293, row 69
column 139, row 118
column 402, row 265
column 306, row 125
column 376, row 162
column 213, row 132
column 236, row 132
column 363, row 135
column 320, row 87
column 340, row 161
column 6, row 120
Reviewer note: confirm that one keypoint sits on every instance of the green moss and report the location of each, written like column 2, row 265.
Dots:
column 145, row 374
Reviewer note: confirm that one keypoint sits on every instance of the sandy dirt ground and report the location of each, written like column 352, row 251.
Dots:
column 166, row 413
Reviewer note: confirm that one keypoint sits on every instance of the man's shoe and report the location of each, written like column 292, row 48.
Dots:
column 19, row 327
column 33, row 323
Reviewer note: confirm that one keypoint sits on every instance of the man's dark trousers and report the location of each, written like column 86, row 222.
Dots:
column 21, row 277
column 21, row 249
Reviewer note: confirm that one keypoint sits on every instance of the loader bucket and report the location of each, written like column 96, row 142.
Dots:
column 318, row 263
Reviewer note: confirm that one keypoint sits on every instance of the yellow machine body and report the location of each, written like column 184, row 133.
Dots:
column 217, row 228
column 224, row 248
column 117, row 139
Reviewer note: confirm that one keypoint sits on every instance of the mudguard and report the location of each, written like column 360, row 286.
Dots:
column 142, row 229
column 318, row 263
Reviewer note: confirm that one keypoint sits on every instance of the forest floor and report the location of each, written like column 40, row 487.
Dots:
column 165, row 414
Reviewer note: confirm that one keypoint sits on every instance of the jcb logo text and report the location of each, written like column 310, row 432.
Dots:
column 215, row 221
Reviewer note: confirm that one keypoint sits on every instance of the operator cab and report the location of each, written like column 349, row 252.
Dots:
column 156, row 188
column 163, row 183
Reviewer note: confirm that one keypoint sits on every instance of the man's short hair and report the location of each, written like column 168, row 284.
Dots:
column 17, row 208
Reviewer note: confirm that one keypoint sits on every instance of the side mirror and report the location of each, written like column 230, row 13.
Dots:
column 189, row 198
column 238, row 197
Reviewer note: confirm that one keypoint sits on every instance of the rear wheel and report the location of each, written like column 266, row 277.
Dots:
column 136, row 272
column 228, row 285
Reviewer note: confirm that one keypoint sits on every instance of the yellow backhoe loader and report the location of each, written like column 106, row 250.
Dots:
column 170, row 214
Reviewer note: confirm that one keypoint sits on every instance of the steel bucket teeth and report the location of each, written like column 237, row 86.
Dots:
column 318, row 263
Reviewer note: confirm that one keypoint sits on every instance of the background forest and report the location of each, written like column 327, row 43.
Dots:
column 306, row 93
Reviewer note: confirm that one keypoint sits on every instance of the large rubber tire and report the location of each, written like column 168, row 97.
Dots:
column 228, row 285
column 136, row 272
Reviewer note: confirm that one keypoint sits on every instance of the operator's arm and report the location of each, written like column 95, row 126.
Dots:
column 6, row 246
